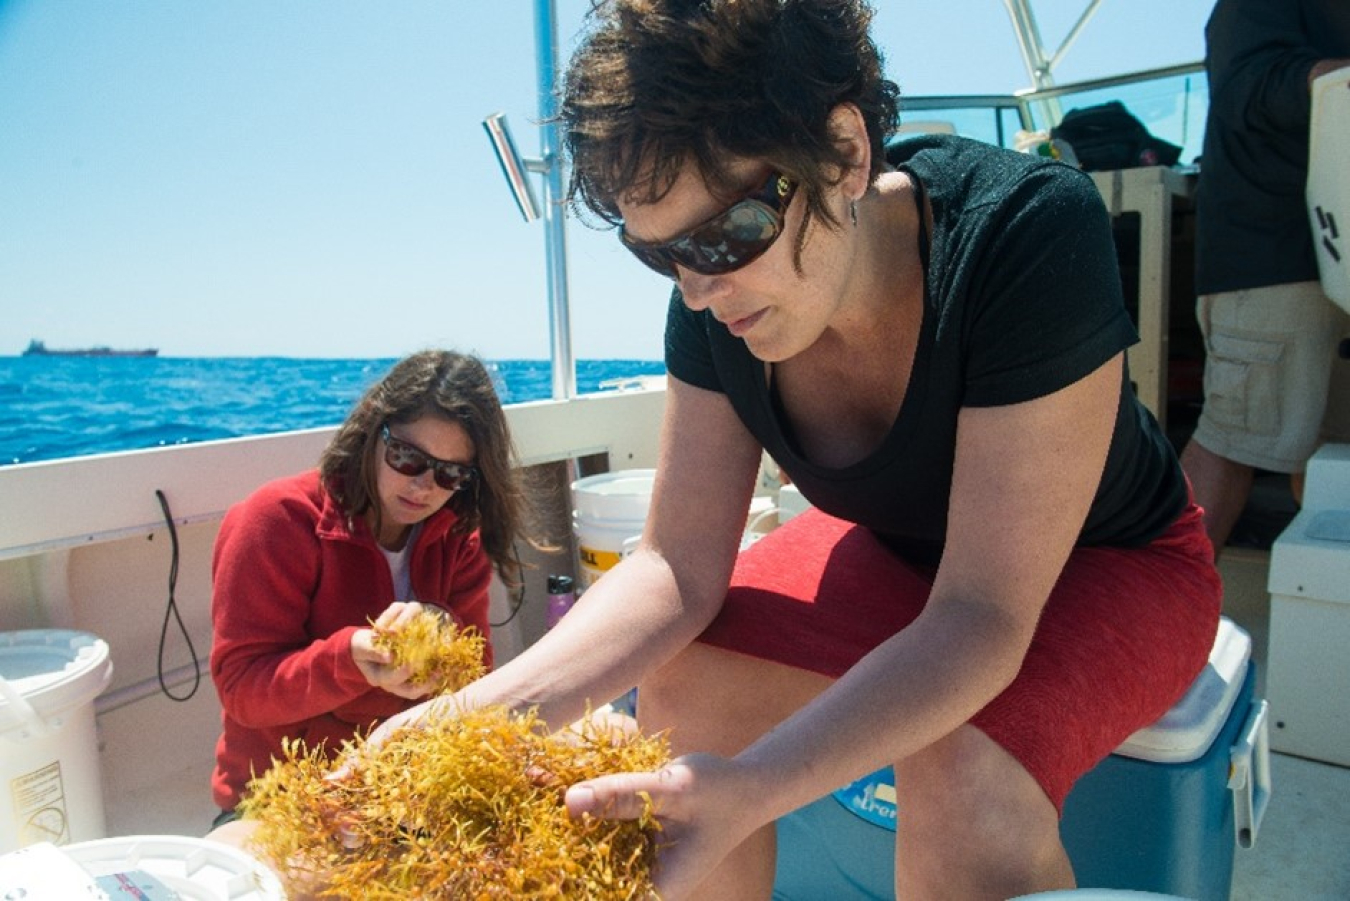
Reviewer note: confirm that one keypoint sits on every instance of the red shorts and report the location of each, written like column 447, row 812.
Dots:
column 1122, row 637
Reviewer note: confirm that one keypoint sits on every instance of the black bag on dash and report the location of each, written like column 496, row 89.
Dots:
column 1108, row 136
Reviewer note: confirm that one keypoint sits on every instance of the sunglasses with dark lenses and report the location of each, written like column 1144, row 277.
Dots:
column 407, row 460
column 729, row 240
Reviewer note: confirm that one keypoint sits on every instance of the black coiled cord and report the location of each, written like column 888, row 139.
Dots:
column 172, row 610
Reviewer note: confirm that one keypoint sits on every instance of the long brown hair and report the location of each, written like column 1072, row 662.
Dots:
column 457, row 387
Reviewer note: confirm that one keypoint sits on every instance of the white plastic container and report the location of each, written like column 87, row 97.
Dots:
column 196, row 869
column 608, row 510
column 44, row 872
column 1308, row 666
column 51, row 789
column 1328, row 189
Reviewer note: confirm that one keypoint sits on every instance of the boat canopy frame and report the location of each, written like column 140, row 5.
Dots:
column 1040, row 102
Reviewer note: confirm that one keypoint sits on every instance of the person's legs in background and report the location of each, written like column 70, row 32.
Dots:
column 1269, row 356
column 1221, row 487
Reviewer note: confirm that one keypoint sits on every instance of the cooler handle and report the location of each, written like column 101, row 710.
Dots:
column 1249, row 774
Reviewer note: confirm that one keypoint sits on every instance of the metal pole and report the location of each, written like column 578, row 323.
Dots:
column 555, row 235
column 1039, row 66
column 1074, row 32
column 1029, row 42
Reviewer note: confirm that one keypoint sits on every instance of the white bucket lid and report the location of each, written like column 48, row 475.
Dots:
column 197, row 869
column 53, row 670
column 623, row 495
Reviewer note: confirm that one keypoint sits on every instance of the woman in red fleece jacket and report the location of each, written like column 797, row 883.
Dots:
column 414, row 503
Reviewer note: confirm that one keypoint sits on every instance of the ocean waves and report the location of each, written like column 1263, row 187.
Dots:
column 56, row 407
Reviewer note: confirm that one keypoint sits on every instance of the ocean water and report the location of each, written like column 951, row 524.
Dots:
column 55, row 407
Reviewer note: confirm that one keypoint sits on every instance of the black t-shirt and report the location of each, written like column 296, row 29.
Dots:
column 1022, row 298
column 1252, row 226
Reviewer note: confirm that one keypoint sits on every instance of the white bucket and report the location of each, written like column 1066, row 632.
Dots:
column 608, row 510
column 50, row 784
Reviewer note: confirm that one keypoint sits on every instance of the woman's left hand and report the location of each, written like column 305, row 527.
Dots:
column 703, row 802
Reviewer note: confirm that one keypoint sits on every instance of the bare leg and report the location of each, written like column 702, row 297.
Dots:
column 1221, row 488
column 973, row 824
column 235, row 833
column 718, row 701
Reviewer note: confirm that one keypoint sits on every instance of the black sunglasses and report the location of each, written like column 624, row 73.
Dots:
column 729, row 240
column 407, row 460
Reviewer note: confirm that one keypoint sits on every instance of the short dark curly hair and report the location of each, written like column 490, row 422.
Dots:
column 657, row 84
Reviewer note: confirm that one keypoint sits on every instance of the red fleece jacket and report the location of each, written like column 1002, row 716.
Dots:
column 292, row 580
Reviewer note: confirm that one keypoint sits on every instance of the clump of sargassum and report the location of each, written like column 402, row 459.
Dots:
column 435, row 650
column 468, row 805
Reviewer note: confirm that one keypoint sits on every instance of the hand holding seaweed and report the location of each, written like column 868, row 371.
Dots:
column 707, row 804
column 456, row 809
column 430, row 646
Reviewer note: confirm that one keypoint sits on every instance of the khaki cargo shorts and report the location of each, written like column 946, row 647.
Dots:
column 1270, row 356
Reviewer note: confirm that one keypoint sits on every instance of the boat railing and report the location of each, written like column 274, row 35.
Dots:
column 77, row 502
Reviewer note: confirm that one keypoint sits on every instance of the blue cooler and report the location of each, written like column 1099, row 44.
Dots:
column 1161, row 814
column 840, row 847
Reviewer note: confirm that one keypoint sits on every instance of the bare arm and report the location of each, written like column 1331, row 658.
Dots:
column 1010, row 531
column 656, row 600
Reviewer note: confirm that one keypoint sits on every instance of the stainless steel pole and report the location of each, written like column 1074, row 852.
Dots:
column 555, row 234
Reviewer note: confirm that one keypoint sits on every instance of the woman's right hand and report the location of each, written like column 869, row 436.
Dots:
column 376, row 664
column 705, row 805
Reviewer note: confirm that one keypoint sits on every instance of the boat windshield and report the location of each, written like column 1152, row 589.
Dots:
column 1171, row 103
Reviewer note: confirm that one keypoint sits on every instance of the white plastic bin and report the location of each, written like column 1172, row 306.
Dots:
column 1308, row 665
column 50, row 784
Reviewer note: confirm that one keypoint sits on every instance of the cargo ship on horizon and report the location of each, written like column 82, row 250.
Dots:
column 38, row 348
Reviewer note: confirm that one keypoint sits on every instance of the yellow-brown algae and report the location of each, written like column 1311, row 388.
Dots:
column 467, row 805
column 436, row 651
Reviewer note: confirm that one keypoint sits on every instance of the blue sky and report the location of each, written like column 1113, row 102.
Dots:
column 311, row 178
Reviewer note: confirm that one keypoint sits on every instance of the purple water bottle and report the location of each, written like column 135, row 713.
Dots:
column 561, row 596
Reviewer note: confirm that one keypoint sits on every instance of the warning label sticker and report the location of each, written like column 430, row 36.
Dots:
column 40, row 806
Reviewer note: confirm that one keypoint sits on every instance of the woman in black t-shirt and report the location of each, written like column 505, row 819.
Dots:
column 1002, row 577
